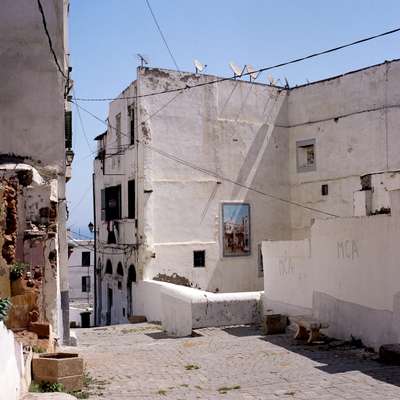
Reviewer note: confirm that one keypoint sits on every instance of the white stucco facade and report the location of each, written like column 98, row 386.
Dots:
column 302, row 150
column 81, row 284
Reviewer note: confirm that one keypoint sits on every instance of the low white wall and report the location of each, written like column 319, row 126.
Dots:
column 75, row 315
column 181, row 309
column 11, row 361
column 347, row 274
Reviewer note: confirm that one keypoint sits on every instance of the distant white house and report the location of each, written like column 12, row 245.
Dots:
column 80, row 271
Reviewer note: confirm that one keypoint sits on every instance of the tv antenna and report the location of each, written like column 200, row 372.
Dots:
column 144, row 60
column 287, row 86
column 252, row 72
column 199, row 66
column 236, row 70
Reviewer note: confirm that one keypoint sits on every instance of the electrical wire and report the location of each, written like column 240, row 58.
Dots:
column 218, row 176
column 81, row 123
column 268, row 68
column 44, row 22
column 162, row 35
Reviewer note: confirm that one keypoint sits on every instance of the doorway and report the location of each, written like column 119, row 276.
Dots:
column 109, row 305
column 131, row 279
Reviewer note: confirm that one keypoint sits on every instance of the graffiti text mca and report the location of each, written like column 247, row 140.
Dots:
column 347, row 249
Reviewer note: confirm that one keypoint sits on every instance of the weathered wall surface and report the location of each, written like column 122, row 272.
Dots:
column 225, row 128
column 30, row 78
column 346, row 274
column 354, row 120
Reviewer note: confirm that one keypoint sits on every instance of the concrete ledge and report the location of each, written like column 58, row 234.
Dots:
column 184, row 309
column 48, row 396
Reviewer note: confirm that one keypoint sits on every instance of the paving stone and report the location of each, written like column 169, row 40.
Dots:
column 140, row 362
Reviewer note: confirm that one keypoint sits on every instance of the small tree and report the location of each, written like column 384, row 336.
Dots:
column 17, row 270
column 5, row 305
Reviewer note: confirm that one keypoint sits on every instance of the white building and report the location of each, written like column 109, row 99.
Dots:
column 173, row 170
column 80, row 274
column 35, row 161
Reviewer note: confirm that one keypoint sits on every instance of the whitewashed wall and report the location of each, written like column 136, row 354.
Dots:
column 346, row 274
column 11, row 361
column 355, row 119
column 227, row 128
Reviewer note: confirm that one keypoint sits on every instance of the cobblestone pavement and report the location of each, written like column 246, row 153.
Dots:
column 141, row 362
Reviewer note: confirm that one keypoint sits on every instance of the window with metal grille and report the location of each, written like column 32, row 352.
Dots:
column 305, row 155
column 199, row 258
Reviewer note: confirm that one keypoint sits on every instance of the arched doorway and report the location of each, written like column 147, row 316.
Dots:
column 109, row 271
column 99, row 293
column 131, row 279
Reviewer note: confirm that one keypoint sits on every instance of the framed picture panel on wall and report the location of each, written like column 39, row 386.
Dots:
column 236, row 229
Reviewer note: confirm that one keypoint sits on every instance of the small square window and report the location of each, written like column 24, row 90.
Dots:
column 199, row 258
column 86, row 284
column 305, row 155
column 324, row 190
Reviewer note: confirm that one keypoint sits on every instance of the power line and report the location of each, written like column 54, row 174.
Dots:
column 162, row 35
column 81, row 123
column 293, row 61
column 44, row 22
column 218, row 176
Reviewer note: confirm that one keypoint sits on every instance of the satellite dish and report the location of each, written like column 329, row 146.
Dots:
column 199, row 66
column 143, row 59
column 235, row 69
column 252, row 72
column 271, row 80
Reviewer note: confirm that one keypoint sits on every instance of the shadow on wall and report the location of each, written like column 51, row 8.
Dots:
column 264, row 168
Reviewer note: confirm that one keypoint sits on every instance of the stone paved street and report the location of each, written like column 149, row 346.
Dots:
column 140, row 362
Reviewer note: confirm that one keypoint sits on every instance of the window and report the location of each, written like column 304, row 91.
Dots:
column 112, row 203
column 109, row 267
column 131, row 113
column 260, row 262
column 120, row 269
column 131, row 199
column 118, row 130
column 199, row 258
column 86, row 258
column 86, row 284
column 324, row 190
column 305, row 154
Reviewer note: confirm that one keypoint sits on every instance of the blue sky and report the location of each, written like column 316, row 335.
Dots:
column 106, row 35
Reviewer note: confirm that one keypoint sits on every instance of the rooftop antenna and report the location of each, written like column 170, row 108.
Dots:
column 287, row 86
column 252, row 72
column 144, row 60
column 237, row 71
column 199, row 66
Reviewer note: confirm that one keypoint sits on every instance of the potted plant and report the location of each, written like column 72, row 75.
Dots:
column 16, row 273
column 5, row 305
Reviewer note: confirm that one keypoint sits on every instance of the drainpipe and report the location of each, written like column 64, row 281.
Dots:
column 95, row 252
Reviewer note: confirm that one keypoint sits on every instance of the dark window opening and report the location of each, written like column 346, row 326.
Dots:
column 324, row 190
column 260, row 262
column 305, row 154
column 111, row 239
column 131, row 199
column 199, row 258
column 86, row 284
column 112, row 200
column 119, row 285
column 131, row 274
column 109, row 267
column 86, row 258
column 120, row 269
column 123, row 311
column 131, row 112
column 68, row 129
